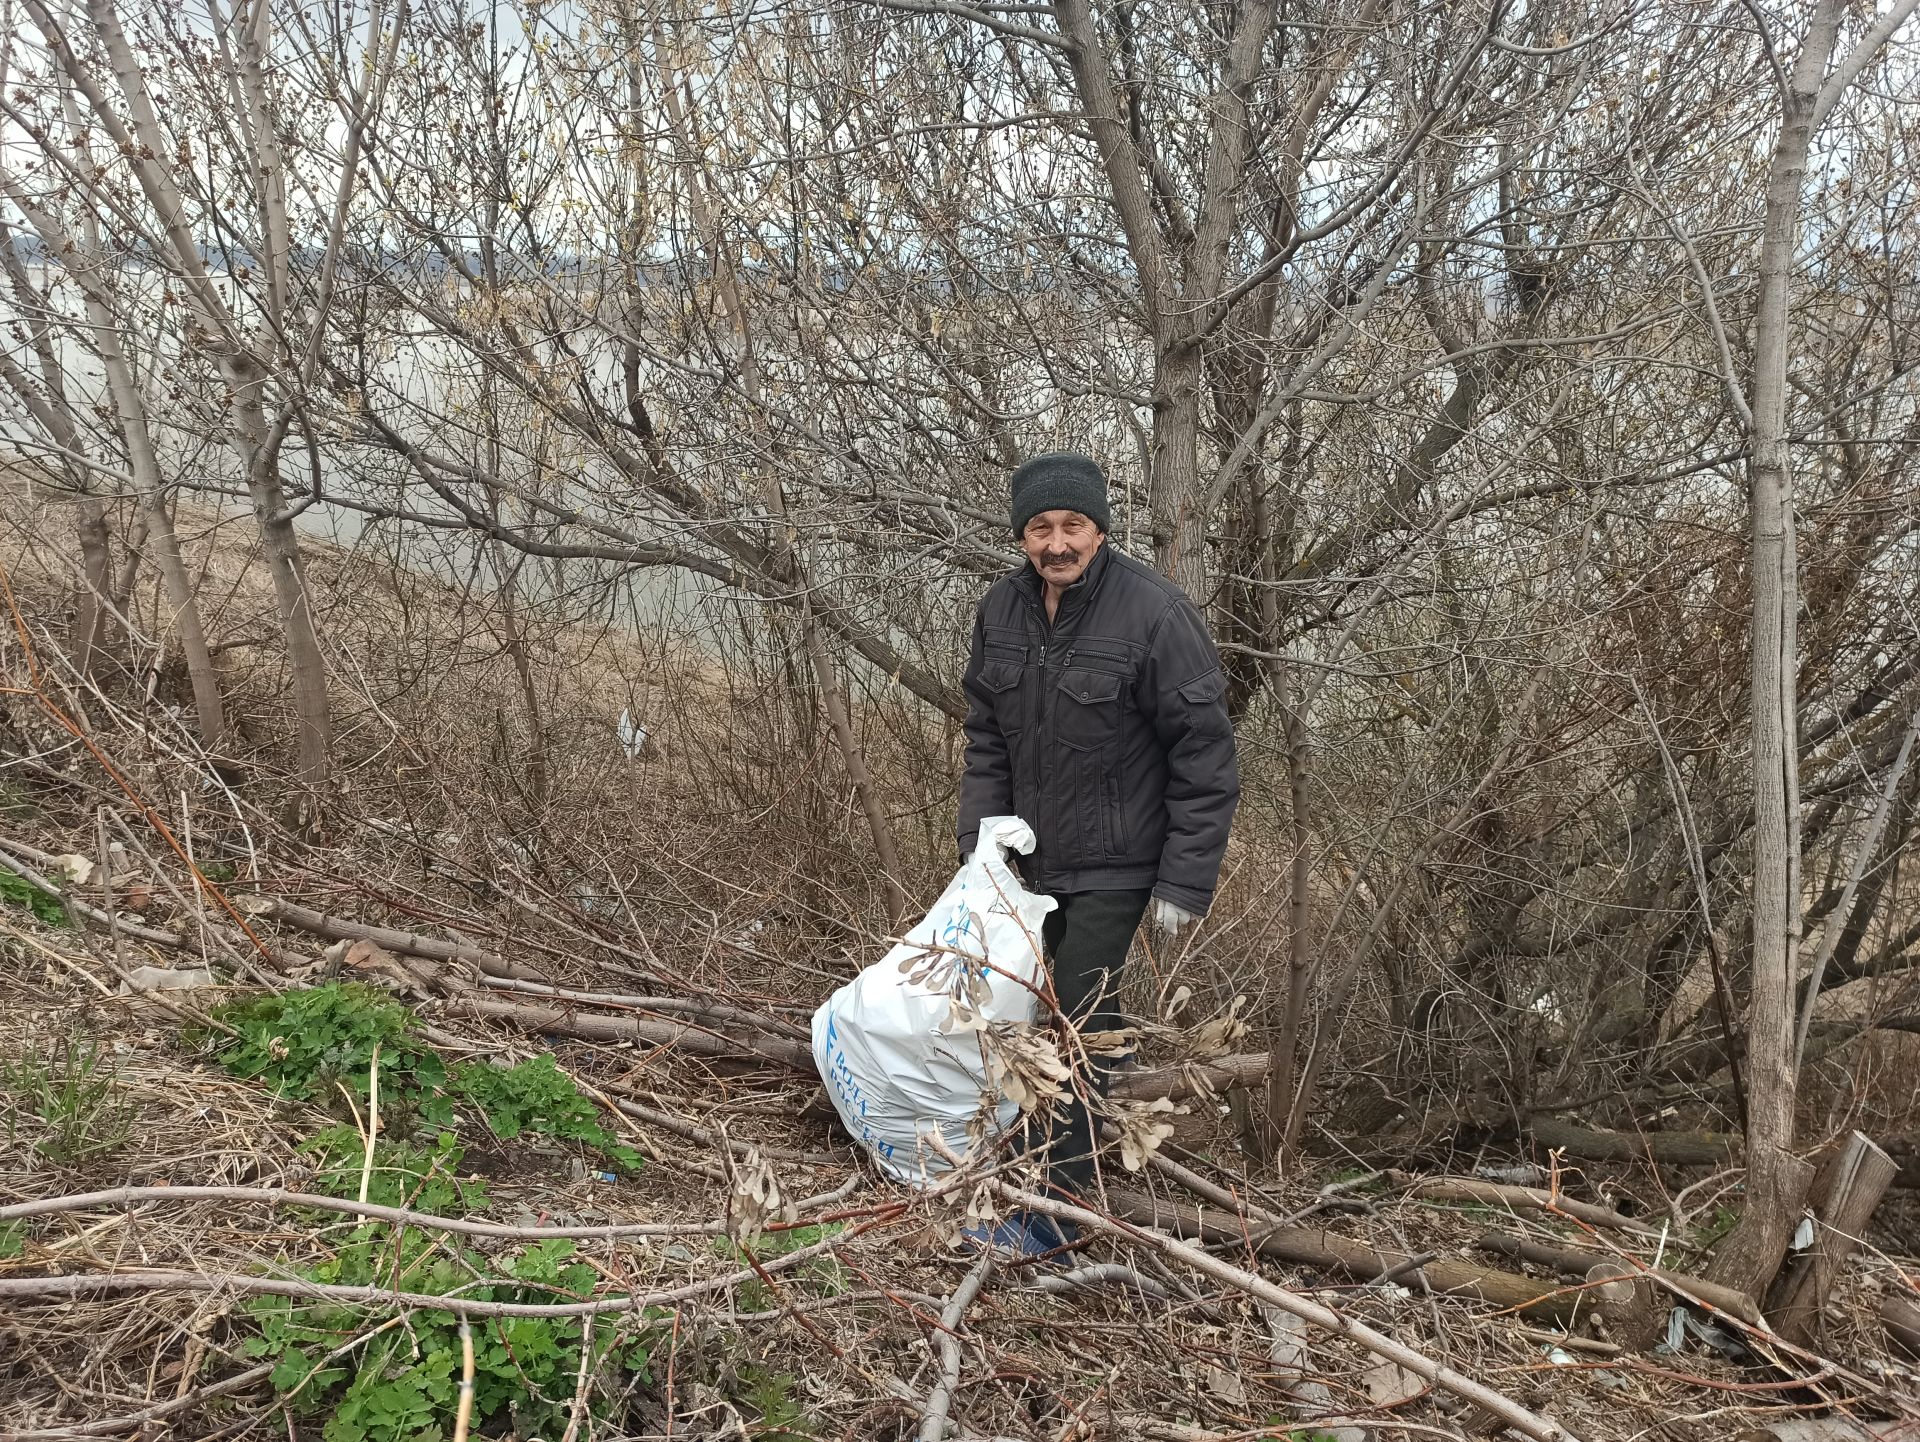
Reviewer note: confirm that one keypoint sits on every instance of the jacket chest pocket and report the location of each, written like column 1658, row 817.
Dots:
column 1086, row 708
column 1002, row 676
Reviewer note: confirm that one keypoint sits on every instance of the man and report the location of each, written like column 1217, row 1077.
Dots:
column 1094, row 713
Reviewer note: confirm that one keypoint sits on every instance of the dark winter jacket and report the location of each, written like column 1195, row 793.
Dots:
column 1105, row 731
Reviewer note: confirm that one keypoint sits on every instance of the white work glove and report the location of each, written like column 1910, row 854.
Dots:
column 1170, row 918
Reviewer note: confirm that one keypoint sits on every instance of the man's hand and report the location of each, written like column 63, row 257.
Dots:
column 1170, row 918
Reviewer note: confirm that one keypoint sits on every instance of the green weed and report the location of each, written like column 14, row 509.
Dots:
column 46, row 909
column 422, row 1178
column 70, row 1103
column 536, row 1096
column 309, row 1044
column 770, row 1395
column 1714, row 1230
column 401, row 1386
column 820, row 1277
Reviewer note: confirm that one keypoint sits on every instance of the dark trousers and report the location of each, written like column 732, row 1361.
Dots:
column 1087, row 940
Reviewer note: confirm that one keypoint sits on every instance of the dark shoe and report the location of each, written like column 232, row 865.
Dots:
column 1022, row 1237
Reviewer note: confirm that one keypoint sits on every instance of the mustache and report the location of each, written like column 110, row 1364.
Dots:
column 1055, row 558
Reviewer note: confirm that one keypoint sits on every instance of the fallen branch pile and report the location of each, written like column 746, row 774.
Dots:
column 1214, row 1304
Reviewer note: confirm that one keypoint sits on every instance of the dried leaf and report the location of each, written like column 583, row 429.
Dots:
column 370, row 960
column 1389, row 1384
column 1217, row 1037
column 754, row 1198
column 1142, row 1126
column 75, row 867
column 1120, row 1042
column 980, row 1206
column 1225, row 1385
column 1199, row 1081
column 961, row 1020
column 1024, row 1066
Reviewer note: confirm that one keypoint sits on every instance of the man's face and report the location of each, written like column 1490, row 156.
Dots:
column 1061, row 544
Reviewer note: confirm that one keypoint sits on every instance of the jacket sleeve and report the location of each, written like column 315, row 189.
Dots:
column 986, row 785
column 1203, row 770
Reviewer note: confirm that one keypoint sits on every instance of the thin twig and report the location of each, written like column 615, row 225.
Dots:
column 933, row 1418
column 275, row 1197
column 88, row 1284
column 463, row 1415
column 373, row 1122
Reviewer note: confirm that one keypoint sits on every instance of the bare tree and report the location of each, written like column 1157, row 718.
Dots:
column 1777, row 1179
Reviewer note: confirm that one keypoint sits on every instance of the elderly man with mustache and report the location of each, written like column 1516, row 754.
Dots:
column 1094, row 713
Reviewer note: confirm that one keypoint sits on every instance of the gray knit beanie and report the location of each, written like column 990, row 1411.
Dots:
column 1060, row 481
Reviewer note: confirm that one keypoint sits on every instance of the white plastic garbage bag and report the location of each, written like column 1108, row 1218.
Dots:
column 902, row 1047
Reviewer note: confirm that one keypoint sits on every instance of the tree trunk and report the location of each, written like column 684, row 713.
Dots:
column 539, row 784
column 885, row 854
column 54, row 411
column 1900, row 1316
column 90, row 604
column 184, row 621
column 1580, row 1263
column 280, row 547
column 210, row 720
column 1327, row 1251
column 1776, row 1179
column 1177, row 497
column 1282, row 1116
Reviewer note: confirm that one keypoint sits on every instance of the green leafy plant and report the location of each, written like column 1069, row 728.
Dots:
column 46, row 908
column 770, row 1395
column 311, row 1044
column 423, row 1178
column 401, row 1385
column 1712, row 1231
column 70, row 1103
column 308, row 1044
column 13, row 1240
column 819, row 1277
column 536, row 1096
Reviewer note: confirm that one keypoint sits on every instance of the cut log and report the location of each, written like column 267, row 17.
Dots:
column 1679, row 1149
column 1500, row 1194
column 1625, row 1300
column 1850, row 1185
column 595, row 1026
column 1575, row 1262
column 407, row 943
column 1193, row 1079
column 1589, row 1144
column 1324, row 1251
column 1827, row 1429
column 1900, row 1315
column 719, row 1013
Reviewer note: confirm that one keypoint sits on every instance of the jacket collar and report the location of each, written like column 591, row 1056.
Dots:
column 1077, row 597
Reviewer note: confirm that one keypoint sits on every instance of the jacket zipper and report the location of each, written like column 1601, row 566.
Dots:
column 1040, row 705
